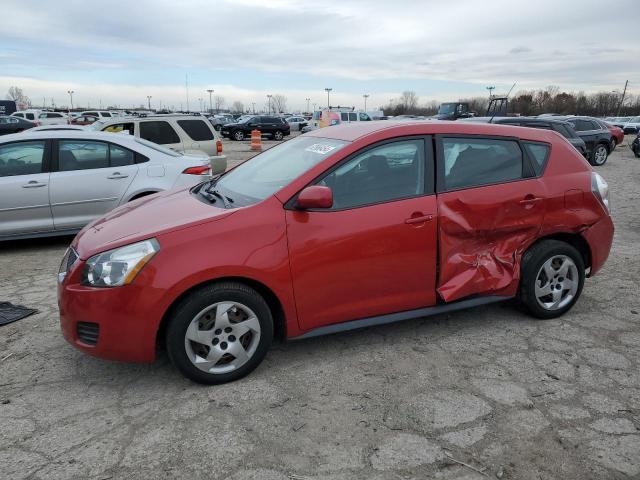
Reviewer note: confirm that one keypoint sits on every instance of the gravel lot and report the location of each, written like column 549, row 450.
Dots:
column 491, row 388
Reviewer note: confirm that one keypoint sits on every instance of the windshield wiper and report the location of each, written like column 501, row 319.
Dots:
column 217, row 194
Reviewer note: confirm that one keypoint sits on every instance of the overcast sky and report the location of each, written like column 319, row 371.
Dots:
column 119, row 53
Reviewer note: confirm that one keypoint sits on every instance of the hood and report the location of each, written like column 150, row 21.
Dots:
column 145, row 218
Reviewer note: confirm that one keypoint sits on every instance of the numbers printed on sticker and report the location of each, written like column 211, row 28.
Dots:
column 320, row 148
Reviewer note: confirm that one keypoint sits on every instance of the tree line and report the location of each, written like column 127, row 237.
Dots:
column 531, row 102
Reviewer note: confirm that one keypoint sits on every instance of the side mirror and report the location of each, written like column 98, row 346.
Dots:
column 315, row 196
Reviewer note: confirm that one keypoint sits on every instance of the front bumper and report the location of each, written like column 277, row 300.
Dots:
column 127, row 317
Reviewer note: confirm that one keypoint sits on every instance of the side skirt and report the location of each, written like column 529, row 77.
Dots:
column 400, row 316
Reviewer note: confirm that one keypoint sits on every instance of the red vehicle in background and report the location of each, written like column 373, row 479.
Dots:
column 84, row 120
column 345, row 227
column 617, row 134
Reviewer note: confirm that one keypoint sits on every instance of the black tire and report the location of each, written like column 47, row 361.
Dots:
column 600, row 148
column 188, row 309
column 278, row 135
column 532, row 262
column 237, row 135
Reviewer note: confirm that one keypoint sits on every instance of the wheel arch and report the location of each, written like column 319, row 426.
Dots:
column 141, row 194
column 274, row 303
column 575, row 240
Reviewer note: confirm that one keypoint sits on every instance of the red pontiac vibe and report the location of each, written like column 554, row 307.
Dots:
column 344, row 227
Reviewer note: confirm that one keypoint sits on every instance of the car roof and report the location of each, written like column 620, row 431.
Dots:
column 71, row 134
column 353, row 131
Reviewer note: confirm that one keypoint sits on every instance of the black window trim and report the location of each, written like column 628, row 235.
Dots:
column 528, row 171
column 54, row 148
column 429, row 177
column 46, row 155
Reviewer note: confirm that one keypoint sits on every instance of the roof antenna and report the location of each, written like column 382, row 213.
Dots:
column 495, row 111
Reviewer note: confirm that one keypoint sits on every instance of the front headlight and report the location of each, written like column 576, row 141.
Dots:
column 119, row 266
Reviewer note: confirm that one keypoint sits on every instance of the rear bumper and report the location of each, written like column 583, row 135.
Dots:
column 599, row 237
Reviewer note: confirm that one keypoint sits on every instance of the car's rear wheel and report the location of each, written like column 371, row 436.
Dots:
column 238, row 135
column 552, row 277
column 219, row 333
column 599, row 155
column 278, row 135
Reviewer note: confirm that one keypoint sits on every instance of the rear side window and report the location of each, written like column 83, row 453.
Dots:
column 82, row 155
column 21, row 158
column 158, row 132
column 120, row 157
column 539, row 153
column 30, row 116
column 474, row 162
column 119, row 127
column 196, row 129
column 344, row 117
column 353, row 117
column 53, row 115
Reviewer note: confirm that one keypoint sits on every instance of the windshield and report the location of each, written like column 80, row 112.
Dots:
column 158, row 148
column 447, row 108
column 268, row 172
column 245, row 119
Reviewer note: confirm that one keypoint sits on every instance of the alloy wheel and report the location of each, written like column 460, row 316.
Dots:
column 556, row 282
column 238, row 135
column 600, row 155
column 222, row 337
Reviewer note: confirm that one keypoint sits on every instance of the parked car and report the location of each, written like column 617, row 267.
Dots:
column 52, row 118
column 296, row 123
column 617, row 134
column 635, row 146
column 187, row 134
column 274, row 127
column 219, row 120
column 632, row 125
column 84, row 120
column 101, row 114
column 618, row 121
column 9, row 124
column 546, row 123
column 30, row 114
column 341, row 228
column 596, row 137
column 55, row 182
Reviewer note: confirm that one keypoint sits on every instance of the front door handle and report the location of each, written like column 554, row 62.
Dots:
column 34, row 184
column 418, row 218
column 116, row 176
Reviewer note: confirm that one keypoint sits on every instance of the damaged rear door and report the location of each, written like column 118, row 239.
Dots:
column 490, row 208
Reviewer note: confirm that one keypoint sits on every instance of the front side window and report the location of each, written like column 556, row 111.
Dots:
column 196, row 129
column 563, row 130
column 581, row 125
column 473, row 162
column 30, row 116
column 21, row 115
column 159, row 132
column 265, row 174
column 344, row 117
column 21, row 158
column 353, row 117
column 82, row 155
column 385, row 173
column 364, row 117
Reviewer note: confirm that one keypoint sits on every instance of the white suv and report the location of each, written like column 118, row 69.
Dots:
column 187, row 134
column 97, row 114
column 42, row 117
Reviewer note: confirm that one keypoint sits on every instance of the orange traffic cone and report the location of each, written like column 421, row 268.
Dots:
column 256, row 140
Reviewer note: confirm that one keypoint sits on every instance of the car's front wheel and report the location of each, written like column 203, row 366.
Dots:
column 278, row 135
column 238, row 135
column 552, row 277
column 219, row 333
column 599, row 155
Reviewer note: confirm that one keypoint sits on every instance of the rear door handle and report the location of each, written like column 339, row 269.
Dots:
column 419, row 218
column 529, row 199
column 34, row 184
column 116, row 176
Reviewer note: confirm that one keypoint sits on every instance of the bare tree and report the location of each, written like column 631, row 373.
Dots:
column 409, row 100
column 17, row 94
column 218, row 102
column 279, row 103
column 237, row 107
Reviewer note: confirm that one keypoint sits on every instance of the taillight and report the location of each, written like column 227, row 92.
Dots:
column 218, row 147
column 600, row 189
column 202, row 170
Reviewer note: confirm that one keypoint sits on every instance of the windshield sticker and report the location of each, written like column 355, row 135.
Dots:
column 320, row 148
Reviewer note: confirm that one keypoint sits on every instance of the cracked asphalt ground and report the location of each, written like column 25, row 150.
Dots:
column 507, row 395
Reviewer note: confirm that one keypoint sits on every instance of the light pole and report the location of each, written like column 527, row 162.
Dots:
column 307, row 99
column 491, row 89
column 210, row 90
column 200, row 100
column 365, row 96
column 149, row 97
column 71, row 92
column 269, row 100
column 253, row 105
column 314, row 107
column 328, row 90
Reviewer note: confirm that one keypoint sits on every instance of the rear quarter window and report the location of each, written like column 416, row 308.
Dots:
column 159, row 132
column 539, row 154
column 197, row 130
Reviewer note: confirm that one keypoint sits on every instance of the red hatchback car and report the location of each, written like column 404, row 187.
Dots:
column 344, row 227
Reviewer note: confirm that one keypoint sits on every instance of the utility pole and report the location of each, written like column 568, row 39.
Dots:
column 365, row 96
column 269, row 100
column 624, row 92
column 210, row 90
column 149, row 97
column 186, row 86
column 314, row 107
column 307, row 99
column 71, row 92
column 328, row 90
column 253, row 105
column 200, row 100
column 491, row 89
